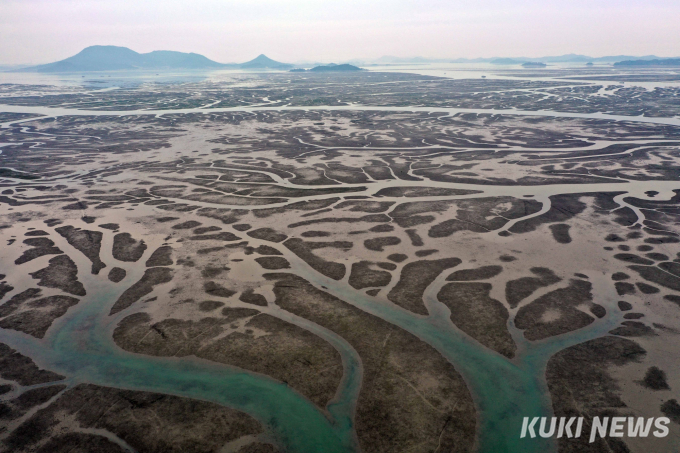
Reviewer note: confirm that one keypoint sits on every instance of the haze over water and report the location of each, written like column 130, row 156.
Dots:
column 41, row 31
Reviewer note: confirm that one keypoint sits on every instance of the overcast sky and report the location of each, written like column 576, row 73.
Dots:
column 38, row 31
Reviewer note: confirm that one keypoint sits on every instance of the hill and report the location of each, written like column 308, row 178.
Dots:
column 114, row 58
column 336, row 68
column 264, row 62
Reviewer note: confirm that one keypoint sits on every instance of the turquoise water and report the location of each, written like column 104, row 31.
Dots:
column 504, row 390
column 80, row 346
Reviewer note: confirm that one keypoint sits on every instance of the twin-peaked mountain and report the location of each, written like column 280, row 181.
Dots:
column 114, row 58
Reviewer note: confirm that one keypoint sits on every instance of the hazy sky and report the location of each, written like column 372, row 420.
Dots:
column 38, row 31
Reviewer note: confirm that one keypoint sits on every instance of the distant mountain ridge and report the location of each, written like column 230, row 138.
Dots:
column 506, row 61
column 114, row 58
column 526, row 64
column 568, row 58
column 650, row 63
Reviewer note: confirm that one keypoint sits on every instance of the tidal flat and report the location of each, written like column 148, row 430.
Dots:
column 376, row 262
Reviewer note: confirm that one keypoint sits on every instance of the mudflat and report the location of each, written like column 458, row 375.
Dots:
column 370, row 261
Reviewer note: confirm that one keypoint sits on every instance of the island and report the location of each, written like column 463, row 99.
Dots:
column 534, row 64
column 332, row 67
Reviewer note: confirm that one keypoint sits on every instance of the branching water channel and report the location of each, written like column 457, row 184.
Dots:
column 80, row 345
